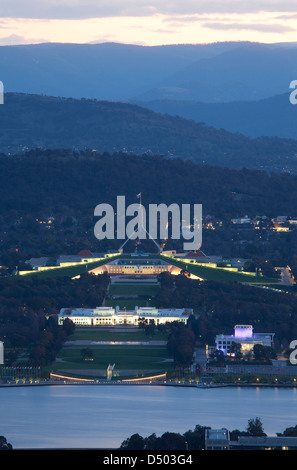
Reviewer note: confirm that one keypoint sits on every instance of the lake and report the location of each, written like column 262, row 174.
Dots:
column 102, row 416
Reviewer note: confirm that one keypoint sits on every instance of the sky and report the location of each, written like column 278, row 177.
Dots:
column 146, row 22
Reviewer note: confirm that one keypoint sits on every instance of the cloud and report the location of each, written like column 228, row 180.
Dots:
column 15, row 39
column 83, row 9
column 262, row 27
column 288, row 16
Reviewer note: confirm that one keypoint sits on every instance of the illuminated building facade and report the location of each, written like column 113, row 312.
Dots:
column 137, row 267
column 110, row 316
column 243, row 335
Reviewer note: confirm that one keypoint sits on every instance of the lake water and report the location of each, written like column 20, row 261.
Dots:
column 91, row 416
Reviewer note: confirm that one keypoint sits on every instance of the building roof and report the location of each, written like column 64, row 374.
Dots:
column 86, row 253
column 195, row 254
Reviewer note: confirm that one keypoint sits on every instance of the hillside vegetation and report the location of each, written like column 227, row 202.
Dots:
column 34, row 121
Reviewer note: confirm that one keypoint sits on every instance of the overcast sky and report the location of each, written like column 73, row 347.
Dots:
column 147, row 22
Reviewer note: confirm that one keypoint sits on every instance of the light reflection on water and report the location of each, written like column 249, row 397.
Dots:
column 81, row 416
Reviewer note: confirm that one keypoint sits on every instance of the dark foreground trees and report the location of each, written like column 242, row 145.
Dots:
column 191, row 439
column 4, row 445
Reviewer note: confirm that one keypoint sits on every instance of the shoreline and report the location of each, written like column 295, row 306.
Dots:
column 159, row 384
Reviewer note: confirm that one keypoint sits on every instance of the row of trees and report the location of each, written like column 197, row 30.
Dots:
column 50, row 342
column 26, row 302
column 29, row 309
column 181, row 339
column 190, row 440
column 181, row 343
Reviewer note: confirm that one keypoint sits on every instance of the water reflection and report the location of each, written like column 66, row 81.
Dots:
column 82, row 416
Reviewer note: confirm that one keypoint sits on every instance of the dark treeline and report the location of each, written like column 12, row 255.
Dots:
column 50, row 342
column 193, row 439
column 181, row 342
column 29, row 308
column 53, row 179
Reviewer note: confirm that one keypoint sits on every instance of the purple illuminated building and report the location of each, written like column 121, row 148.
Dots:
column 244, row 335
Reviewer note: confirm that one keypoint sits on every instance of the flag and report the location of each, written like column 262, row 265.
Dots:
column 138, row 195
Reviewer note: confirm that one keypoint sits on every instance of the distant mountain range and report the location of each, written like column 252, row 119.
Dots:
column 118, row 97
column 238, row 86
column 274, row 116
column 32, row 121
column 108, row 71
column 219, row 72
column 248, row 72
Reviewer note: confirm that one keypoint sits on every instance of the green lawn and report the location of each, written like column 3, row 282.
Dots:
column 68, row 271
column 114, row 335
column 219, row 274
column 124, row 357
column 205, row 272
column 133, row 289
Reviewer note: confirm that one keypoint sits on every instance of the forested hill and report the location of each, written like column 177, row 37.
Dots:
column 48, row 200
column 31, row 121
column 39, row 183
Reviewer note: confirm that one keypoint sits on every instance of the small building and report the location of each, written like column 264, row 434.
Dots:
column 264, row 443
column 243, row 335
column 241, row 221
column 217, row 439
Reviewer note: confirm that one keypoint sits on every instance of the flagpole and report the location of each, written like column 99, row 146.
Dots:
column 140, row 207
column 149, row 235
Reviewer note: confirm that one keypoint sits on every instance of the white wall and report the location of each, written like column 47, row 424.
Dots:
column 1, row 353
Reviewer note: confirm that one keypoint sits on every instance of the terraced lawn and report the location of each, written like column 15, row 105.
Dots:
column 133, row 289
column 124, row 357
column 114, row 335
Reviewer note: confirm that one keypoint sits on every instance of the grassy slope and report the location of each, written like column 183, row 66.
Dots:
column 219, row 274
column 68, row 271
column 205, row 272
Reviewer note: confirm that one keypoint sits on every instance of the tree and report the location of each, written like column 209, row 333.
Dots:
column 255, row 427
column 170, row 441
column 150, row 442
column 150, row 328
column 196, row 439
column 4, row 445
column 289, row 432
column 68, row 326
column 235, row 433
column 135, row 442
column 87, row 353
column 236, row 349
column 218, row 356
column 263, row 353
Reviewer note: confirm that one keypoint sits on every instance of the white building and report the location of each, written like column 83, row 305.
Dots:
column 137, row 267
column 100, row 316
column 217, row 439
column 241, row 220
column 243, row 335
